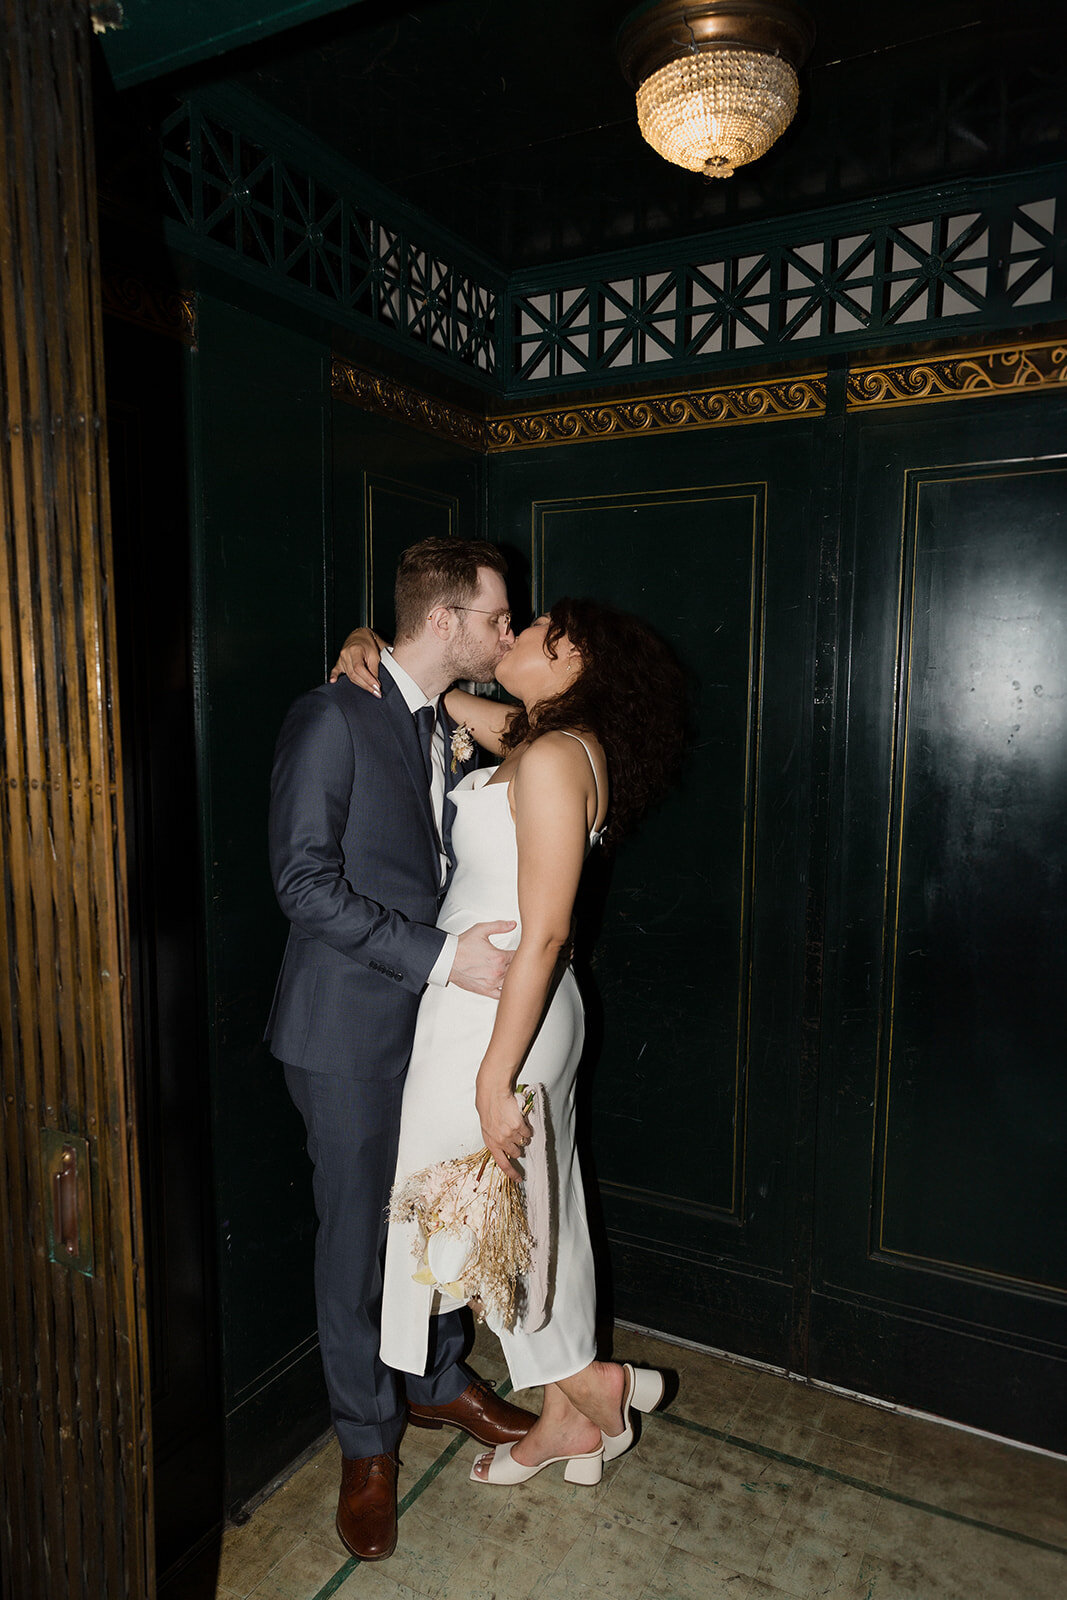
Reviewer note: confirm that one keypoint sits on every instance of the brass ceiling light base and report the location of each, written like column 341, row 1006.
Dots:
column 716, row 81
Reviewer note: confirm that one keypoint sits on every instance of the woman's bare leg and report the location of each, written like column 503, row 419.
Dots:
column 597, row 1393
column 575, row 1412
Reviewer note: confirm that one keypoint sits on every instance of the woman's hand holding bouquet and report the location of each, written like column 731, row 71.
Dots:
column 505, row 1127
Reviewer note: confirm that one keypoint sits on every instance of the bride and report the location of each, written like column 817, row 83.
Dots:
column 591, row 743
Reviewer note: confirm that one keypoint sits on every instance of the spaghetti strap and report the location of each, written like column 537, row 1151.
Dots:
column 592, row 763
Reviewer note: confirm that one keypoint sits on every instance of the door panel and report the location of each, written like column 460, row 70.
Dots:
column 258, row 408
column 398, row 515
column 943, row 1170
column 682, row 918
column 391, row 487
column 286, row 536
column 694, row 992
column 980, row 913
column 150, row 519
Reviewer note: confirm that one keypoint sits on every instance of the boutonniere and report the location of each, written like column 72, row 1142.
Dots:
column 462, row 744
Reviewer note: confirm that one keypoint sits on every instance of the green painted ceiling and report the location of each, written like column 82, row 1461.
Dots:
column 511, row 124
column 156, row 38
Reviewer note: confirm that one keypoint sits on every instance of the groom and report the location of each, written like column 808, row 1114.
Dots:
column 359, row 847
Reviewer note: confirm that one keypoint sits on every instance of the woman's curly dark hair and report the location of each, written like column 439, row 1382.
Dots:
column 630, row 693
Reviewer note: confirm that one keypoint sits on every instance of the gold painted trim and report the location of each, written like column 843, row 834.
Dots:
column 1004, row 369
column 974, row 374
column 668, row 413
column 371, row 392
column 160, row 310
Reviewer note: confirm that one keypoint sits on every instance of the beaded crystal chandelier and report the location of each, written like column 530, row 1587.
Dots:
column 716, row 82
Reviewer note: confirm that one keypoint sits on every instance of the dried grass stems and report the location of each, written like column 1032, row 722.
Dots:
column 473, row 1239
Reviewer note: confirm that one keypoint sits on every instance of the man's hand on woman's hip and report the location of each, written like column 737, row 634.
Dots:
column 479, row 966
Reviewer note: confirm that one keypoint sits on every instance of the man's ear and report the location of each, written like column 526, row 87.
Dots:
column 441, row 622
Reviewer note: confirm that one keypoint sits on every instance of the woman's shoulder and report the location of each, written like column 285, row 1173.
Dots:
column 563, row 744
column 561, row 753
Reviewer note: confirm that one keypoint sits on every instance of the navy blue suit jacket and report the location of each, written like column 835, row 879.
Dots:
column 356, row 870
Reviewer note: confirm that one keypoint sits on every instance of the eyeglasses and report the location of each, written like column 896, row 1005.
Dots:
column 502, row 619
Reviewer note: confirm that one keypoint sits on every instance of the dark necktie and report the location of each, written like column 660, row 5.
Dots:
column 425, row 717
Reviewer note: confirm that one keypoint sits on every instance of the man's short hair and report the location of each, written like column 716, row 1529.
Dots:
column 439, row 572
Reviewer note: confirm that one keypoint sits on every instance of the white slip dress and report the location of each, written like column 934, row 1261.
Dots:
column 439, row 1120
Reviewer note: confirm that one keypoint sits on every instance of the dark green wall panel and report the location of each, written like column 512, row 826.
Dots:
column 391, row 487
column 149, row 524
column 929, row 1152
column 694, row 993
column 974, row 1059
column 942, row 1128
column 259, row 414
column 935, row 1146
column 673, row 972
column 398, row 515
column 300, row 503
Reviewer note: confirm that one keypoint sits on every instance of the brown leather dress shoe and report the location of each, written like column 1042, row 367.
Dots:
column 483, row 1414
column 366, row 1510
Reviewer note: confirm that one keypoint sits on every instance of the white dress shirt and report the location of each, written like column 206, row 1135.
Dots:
column 414, row 698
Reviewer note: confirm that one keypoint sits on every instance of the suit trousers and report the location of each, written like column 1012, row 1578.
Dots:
column 353, row 1127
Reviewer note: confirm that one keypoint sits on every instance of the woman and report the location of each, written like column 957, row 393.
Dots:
column 591, row 743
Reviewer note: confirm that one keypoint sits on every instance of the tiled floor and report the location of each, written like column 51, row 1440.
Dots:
column 745, row 1487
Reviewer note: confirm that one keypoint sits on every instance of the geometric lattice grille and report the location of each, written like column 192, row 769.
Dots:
column 230, row 190
column 1030, row 252
column 893, row 270
column 843, row 285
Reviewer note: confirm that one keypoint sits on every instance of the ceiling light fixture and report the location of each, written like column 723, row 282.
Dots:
column 716, row 82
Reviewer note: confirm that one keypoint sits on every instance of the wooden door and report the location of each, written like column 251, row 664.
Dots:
column 74, row 1429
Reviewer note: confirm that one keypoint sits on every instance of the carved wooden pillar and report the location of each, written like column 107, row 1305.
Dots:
column 74, row 1499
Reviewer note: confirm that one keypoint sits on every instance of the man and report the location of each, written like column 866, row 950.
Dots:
column 359, row 839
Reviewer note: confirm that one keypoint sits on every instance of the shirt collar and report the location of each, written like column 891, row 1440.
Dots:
column 414, row 697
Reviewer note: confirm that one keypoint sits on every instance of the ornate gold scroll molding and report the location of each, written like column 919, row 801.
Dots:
column 1007, row 369
column 163, row 311
column 371, row 392
column 703, row 408
column 1002, row 370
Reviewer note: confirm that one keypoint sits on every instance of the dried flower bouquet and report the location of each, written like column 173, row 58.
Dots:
column 473, row 1238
